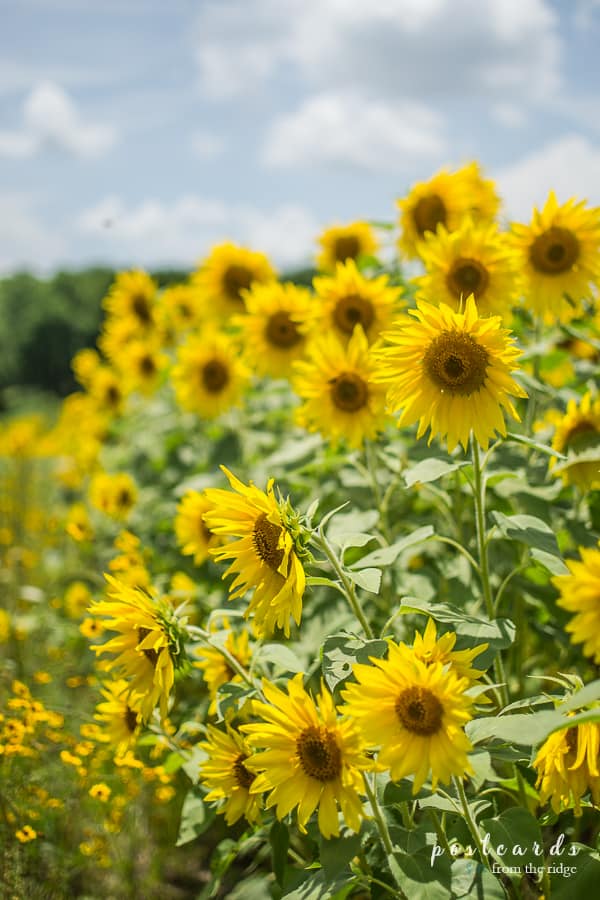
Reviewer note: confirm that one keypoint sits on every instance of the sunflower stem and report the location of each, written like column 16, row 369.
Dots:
column 382, row 826
column 371, row 462
column 234, row 663
column 471, row 823
column 320, row 541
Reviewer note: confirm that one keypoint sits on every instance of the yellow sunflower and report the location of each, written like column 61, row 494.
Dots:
column 450, row 371
column 133, row 296
column 113, row 494
column 336, row 383
column 483, row 198
column 567, row 767
column 141, row 366
column 343, row 242
column 347, row 299
column 430, row 649
column 181, row 307
column 473, row 259
column 148, row 646
column 443, row 200
column 216, row 671
column 415, row 713
column 266, row 555
column 84, row 364
column 209, row 377
column 577, row 436
column 226, row 273
column 559, row 253
column 272, row 332
column 307, row 757
column 226, row 776
column 106, row 390
column 580, row 595
column 193, row 535
column 119, row 715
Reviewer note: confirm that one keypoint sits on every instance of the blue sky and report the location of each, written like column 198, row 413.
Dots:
column 140, row 132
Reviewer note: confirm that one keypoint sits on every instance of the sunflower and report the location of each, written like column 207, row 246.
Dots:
column 227, row 273
column 141, row 366
column 226, row 776
column 483, row 198
column 209, row 377
column 84, row 364
column 567, row 767
column 430, row 649
column 266, row 556
column 577, row 435
column 113, row 494
column 341, row 398
column 216, row 671
column 148, row 646
column 343, row 242
column 77, row 599
column 310, row 759
column 119, row 715
column 559, row 253
column 473, row 259
column 450, row 371
column 415, row 713
column 133, row 296
column 580, row 595
column 443, row 200
column 106, row 390
column 272, row 330
column 181, row 307
column 347, row 299
column 193, row 535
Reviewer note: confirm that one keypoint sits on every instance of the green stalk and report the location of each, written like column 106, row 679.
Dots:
column 382, row 827
column 323, row 544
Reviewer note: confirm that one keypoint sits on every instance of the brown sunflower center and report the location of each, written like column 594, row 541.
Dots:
column 243, row 777
column 215, row 376
column 349, row 392
column 235, row 280
column 319, row 754
column 467, row 276
column 147, row 365
column 150, row 654
column 346, row 247
column 124, row 498
column 428, row 213
column 131, row 718
column 456, row 363
column 419, row 710
column 554, row 251
column 281, row 331
column 581, row 436
column 266, row 542
column 353, row 310
column 112, row 395
column 140, row 307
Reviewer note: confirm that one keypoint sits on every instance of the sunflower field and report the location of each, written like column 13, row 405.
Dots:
column 301, row 589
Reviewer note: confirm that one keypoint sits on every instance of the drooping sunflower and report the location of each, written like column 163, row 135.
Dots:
column 119, row 715
column 216, row 671
column 343, row 242
column 193, row 534
column 341, row 397
column 133, row 296
column 430, row 649
column 266, row 556
column 414, row 713
column 226, row 273
column 580, row 595
column 272, row 332
column 577, row 436
column 474, row 259
column 347, row 299
column 148, row 646
column 226, row 776
column 308, row 757
column 559, row 253
column 209, row 377
column 113, row 494
column 450, row 372
column 567, row 767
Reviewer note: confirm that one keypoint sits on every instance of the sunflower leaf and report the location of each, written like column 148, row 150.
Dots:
column 387, row 555
column 528, row 530
column 430, row 470
column 367, row 579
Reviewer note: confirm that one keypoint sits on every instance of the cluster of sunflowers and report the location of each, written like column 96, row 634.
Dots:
column 363, row 696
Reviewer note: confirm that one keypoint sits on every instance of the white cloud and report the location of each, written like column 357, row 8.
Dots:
column 570, row 166
column 156, row 233
column 348, row 128
column 509, row 114
column 51, row 119
column 207, row 146
column 25, row 241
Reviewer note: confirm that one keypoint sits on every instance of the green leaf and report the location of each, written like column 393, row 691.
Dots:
column 387, row 555
column 430, row 470
column 419, row 878
column 281, row 656
column 367, row 579
column 315, row 885
column 528, row 442
column 336, row 853
column 342, row 651
column 554, row 564
column 583, row 882
column 196, row 817
column 528, row 530
column 355, row 539
column 499, row 634
column 517, row 831
column 351, row 522
column 279, row 838
column 472, row 881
